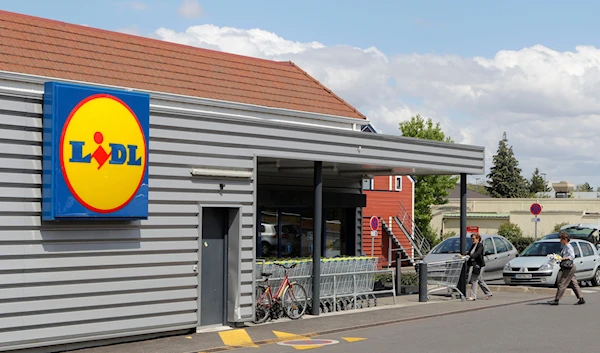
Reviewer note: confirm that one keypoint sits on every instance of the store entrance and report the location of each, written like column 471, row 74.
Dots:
column 288, row 232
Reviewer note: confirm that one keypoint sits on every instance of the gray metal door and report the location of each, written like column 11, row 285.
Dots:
column 213, row 285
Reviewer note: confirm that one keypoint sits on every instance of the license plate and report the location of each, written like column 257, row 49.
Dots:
column 523, row 275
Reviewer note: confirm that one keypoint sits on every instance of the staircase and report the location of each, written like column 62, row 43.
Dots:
column 404, row 220
column 399, row 247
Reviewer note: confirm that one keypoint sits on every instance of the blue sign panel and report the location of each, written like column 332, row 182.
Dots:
column 95, row 153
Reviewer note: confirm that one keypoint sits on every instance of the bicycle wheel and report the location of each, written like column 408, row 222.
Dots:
column 295, row 301
column 263, row 305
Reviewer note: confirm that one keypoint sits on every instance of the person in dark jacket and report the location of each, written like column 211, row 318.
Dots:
column 477, row 261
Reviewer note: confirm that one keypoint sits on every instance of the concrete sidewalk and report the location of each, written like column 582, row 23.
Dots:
column 406, row 309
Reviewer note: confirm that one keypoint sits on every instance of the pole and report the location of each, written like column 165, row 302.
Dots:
column 462, row 282
column 536, row 222
column 317, row 225
column 398, row 273
column 372, row 245
column 422, row 282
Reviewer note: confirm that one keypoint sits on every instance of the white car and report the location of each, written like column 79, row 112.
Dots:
column 534, row 267
column 270, row 237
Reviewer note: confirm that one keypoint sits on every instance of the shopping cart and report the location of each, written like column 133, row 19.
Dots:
column 444, row 275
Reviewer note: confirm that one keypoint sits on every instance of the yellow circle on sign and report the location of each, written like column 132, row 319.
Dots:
column 103, row 153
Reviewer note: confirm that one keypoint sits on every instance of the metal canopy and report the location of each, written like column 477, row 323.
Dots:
column 330, row 169
column 346, row 152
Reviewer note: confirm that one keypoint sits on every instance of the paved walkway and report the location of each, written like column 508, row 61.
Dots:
column 406, row 309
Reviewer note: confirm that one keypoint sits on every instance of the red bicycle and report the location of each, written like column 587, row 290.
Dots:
column 290, row 297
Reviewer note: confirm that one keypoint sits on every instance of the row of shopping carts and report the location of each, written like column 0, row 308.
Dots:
column 346, row 283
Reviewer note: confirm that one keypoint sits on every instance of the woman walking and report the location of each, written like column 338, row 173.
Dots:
column 567, row 274
column 477, row 261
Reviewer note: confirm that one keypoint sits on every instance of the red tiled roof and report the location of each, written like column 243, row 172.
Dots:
column 55, row 49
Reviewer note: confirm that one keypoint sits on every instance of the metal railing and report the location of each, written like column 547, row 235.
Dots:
column 414, row 234
column 395, row 240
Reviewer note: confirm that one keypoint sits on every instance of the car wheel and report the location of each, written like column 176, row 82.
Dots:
column 596, row 279
column 265, row 250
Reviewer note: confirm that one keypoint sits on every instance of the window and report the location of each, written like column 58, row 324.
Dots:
column 500, row 246
column 576, row 248
column 367, row 184
column 398, row 183
column 509, row 246
column 586, row 249
column 488, row 247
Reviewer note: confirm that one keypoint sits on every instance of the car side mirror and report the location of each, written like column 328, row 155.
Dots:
column 488, row 252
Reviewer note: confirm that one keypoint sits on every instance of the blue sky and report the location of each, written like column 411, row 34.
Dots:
column 537, row 80
column 466, row 28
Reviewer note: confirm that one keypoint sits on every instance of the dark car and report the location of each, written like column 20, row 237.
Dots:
column 580, row 231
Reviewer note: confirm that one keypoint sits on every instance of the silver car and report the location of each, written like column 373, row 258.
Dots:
column 535, row 268
column 498, row 252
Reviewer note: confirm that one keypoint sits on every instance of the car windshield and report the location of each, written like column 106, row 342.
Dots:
column 543, row 248
column 450, row 246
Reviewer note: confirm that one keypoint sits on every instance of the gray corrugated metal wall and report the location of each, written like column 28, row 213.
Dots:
column 62, row 280
column 70, row 281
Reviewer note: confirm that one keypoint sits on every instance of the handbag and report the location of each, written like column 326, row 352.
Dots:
column 566, row 264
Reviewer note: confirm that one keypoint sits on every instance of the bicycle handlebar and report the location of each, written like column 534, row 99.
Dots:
column 287, row 267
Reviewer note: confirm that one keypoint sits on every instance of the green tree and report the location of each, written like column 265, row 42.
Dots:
column 514, row 234
column 505, row 179
column 557, row 226
column 429, row 189
column 478, row 188
column 537, row 183
column 585, row 187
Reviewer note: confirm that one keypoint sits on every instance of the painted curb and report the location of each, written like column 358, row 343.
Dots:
column 524, row 289
column 382, row 323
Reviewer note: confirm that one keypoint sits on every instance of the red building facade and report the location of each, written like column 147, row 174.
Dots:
column 391, row 198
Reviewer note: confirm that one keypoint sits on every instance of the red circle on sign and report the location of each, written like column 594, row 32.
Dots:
column 374, row 223
column 535, row 209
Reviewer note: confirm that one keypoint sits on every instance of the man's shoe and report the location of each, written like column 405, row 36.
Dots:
column 553, row 302
column 580, row 302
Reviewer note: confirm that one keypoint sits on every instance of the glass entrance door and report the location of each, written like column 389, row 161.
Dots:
column 288, row 232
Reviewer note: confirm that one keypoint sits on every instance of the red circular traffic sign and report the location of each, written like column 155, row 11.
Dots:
column 535, row 209
column 374, row 223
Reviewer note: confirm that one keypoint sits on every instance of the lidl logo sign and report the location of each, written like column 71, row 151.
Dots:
column 95, row 153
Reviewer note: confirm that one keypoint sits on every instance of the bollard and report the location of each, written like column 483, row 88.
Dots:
column 398, row 274
column 422, row 282
column 462, row 281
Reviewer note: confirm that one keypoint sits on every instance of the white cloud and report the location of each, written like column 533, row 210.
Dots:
column 545, row 100
column 190, row 9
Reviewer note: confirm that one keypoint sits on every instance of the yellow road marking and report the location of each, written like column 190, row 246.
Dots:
column 289, row 336
column 301, row 348
column 353, row 339
column 237, row 338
